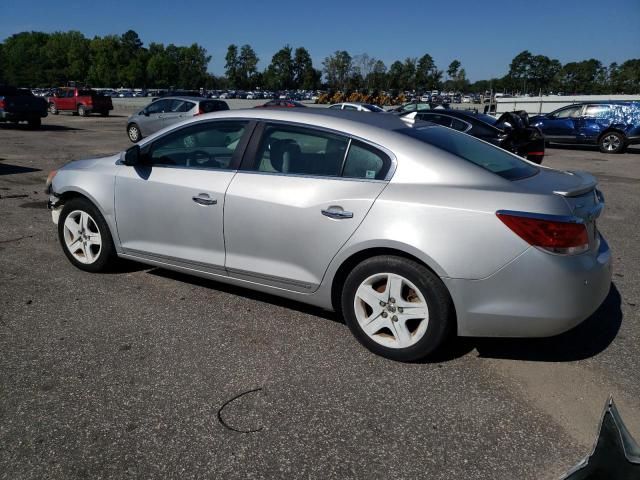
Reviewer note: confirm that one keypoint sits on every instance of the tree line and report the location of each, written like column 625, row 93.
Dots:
column 47, row 59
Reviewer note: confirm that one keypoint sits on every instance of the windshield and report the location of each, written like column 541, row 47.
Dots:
column 482, row 154
column 373, row 108
column 486, row 118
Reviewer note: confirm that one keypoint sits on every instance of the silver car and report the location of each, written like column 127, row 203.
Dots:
column 357, row 106
column 166, row 111
column 411, row 231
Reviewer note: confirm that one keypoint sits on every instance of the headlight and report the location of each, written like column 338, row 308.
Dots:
column 47, row 185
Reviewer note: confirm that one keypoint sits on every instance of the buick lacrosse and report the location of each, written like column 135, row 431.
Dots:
column 410, row 231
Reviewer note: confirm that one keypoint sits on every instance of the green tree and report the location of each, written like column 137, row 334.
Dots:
column 24, row 59
column 304, row 75
column 232, row 66
column 452, row 71
column 377, row 79
column 337, row 68
column 105, row 61
column 395, row 75
column 280, row 74
column 247, row 67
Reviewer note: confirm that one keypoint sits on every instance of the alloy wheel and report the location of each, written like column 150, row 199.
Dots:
column 391, row 310
column 611, row 143
column 82, row 237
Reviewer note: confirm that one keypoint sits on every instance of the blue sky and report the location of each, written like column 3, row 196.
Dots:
column 483, row 35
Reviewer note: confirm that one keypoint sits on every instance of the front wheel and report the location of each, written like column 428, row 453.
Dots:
column 135, row 135
column 612, row 142
column 85, row 236
column 397, row 308
column 105, row 113
column 82, row 111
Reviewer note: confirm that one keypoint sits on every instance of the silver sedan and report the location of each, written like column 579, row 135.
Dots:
column 409, row 230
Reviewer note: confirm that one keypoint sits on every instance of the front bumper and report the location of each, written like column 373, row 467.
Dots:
column 536, row 295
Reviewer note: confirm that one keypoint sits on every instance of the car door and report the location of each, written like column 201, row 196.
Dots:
column 560, row 126
column 300, row 194
column 153, row 116
column 170, row 207
column 176, row 112
column 593, row 121
column 67, row 100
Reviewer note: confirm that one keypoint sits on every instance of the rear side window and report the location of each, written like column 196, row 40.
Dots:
column 597, row 111
column 301, row 151
column 482, row 154
column 208, row 107
column 364, row 161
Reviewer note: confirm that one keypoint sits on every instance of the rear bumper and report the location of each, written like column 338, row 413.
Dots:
column 536, row 295
column 22, row 116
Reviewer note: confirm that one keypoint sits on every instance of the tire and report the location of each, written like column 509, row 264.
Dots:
column 35, row 123
column 612, row 142
column 105, row 113
column 82, row 111
column 53, row 109
column 392, row 331
column 135, row 135
column 85, row 237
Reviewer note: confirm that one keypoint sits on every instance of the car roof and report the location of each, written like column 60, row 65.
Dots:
column 187, row 97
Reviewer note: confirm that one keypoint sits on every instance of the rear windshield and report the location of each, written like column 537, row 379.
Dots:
column 87, row 93
column 208, row 107
column 373, row 108
column 465, row 146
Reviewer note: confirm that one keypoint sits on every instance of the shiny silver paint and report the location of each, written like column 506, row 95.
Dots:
column 267, row 231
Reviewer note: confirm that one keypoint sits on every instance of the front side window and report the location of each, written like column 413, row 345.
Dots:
column 302, row 151
column 206, row 145
column 160, row 106
column 571, row 112
column 350, row 107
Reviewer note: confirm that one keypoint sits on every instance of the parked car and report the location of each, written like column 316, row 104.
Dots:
column 354, row 106
column 511, row 131
column 20, row 105
column 279, row 103
column 411, row 232
column 81, row 101
column 166, row 111
column 611, row 125
column 410, row 107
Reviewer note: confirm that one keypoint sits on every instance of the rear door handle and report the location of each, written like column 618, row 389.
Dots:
column 204, row 199
column 336, row 212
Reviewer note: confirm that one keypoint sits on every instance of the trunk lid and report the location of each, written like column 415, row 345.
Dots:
column 579, row 191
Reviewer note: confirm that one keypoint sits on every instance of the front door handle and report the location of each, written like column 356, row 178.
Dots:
column 204, row 199
column 336, row 212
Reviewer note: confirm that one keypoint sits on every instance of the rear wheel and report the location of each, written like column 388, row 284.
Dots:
column 105, row 113
column 135, row 135
column 53, row 109
column 612, row 142
column 85, row 236
column 82, row 111
column 397, row 308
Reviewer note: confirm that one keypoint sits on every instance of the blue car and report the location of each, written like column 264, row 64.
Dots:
column 610, row 125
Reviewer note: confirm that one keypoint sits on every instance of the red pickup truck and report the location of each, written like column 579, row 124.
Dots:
column 81, row 101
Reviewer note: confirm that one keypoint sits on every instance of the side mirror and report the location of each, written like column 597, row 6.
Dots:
column 145, row 112
column 132, row 156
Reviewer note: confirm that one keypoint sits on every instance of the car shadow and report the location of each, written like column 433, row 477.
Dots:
column 43, row 128
column 8, row 169
column 245, row 292
column 633, row 149
column 588, row 339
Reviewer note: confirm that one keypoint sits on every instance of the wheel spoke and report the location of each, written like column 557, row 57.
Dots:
column 402, row 334
column 375, row 325
column 394, row 287
column 418, row 311
column 370, row 296
column 94, row 239
column 84, row 221
column 72, row 226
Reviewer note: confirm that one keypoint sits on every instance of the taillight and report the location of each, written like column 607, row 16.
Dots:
column 199, row 112
column 568, row 238
column 2, row 103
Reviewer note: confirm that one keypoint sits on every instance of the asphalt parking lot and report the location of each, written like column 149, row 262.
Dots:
column 128, row 375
